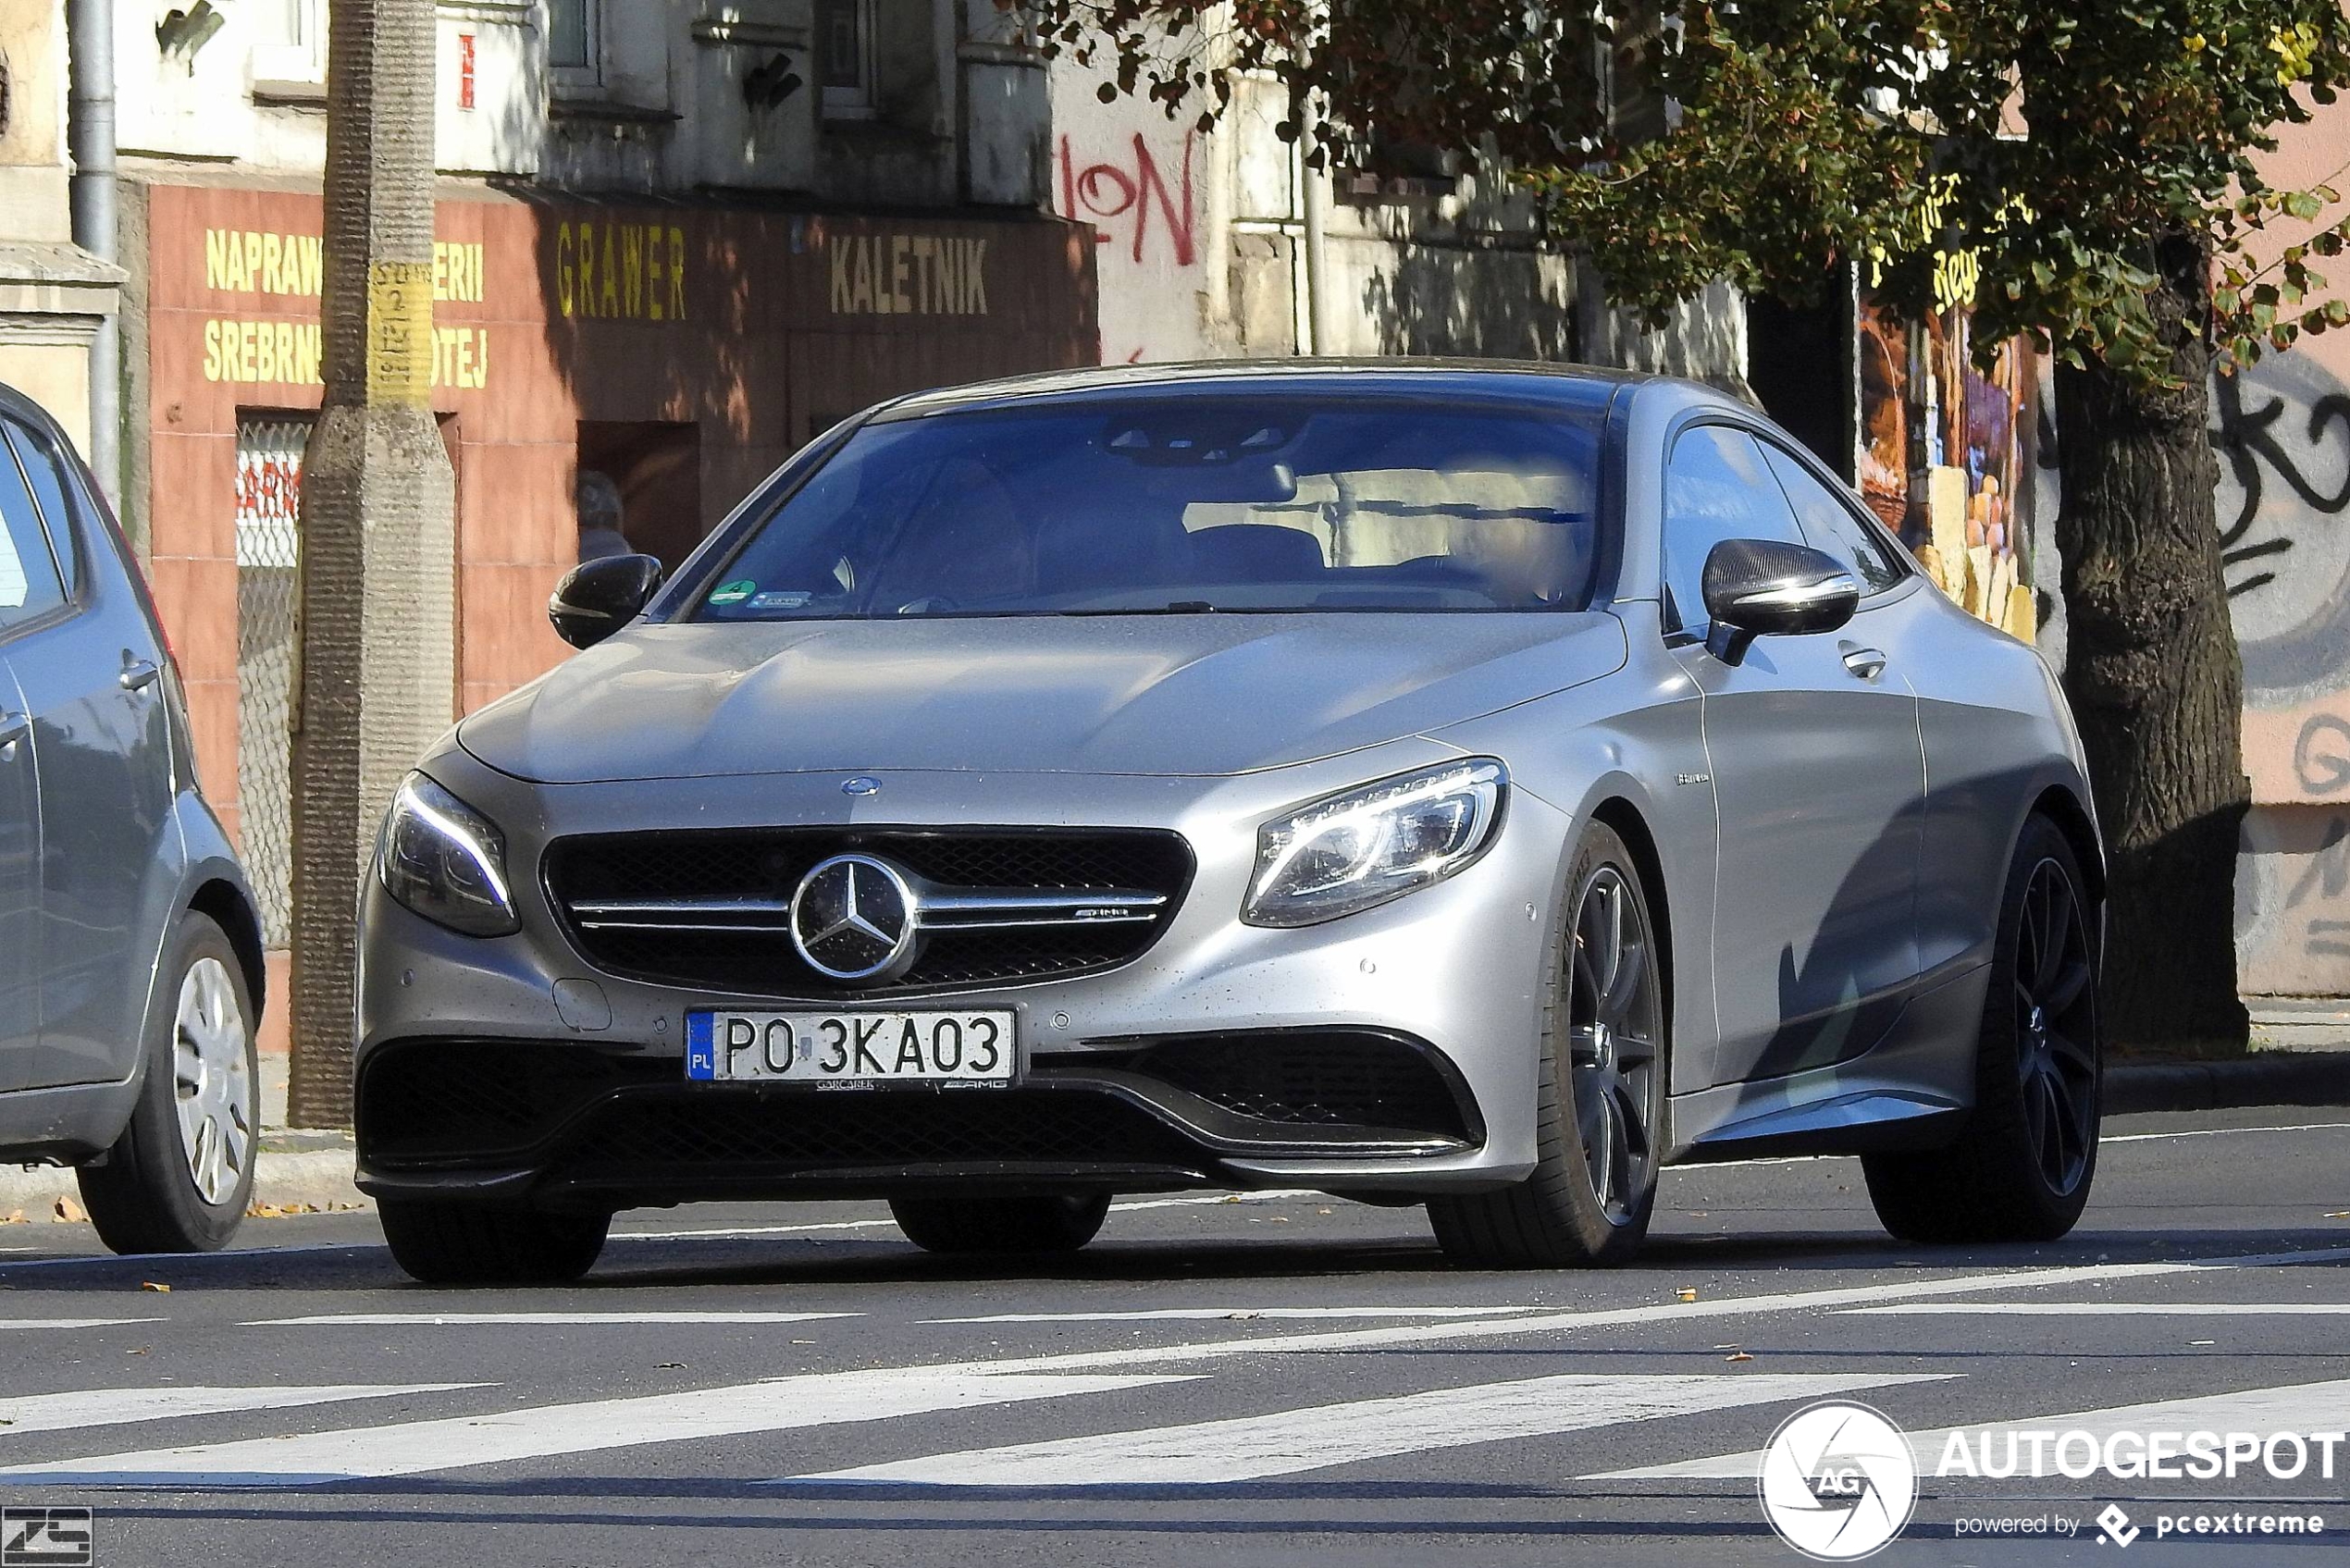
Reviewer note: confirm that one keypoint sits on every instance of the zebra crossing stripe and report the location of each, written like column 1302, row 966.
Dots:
column 114, row 1407
column 533, row 1319
column 458, row 1442
column 8, row 1323
column 1215, row 1314
column 1398, row 1336
column 1253, row 1447
column 2239, row 1311
column 2292, row 1407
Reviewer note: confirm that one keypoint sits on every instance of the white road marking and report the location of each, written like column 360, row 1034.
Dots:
column 731, row 1231
column 71, row 1322
column 1663, row 1312
column 718, row 1233
column 2105, row 1309
column 1252, row 1447
column 1267, row 1196
column 411, row 1448
column 2222, row 1131
column 563, row 1319
column 2297, row 1407
column 114, row 1407
column 1212, row 1313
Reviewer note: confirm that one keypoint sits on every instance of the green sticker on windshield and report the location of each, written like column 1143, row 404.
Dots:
column 734, row 592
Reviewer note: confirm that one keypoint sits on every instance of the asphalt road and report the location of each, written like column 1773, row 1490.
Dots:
column 1283, row 1379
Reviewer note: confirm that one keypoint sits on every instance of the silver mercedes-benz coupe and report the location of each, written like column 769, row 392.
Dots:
column 1460, row 784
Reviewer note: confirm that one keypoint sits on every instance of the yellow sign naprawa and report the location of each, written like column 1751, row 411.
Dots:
column 287, row 354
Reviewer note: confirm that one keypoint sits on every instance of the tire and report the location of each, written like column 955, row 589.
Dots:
column 1598, row 1124
column 178, row 1177
column 2021, row 1168
column 461, row 1243
column 1001, row 1226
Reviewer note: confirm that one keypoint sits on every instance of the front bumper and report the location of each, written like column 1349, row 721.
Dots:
column 1393, row 1050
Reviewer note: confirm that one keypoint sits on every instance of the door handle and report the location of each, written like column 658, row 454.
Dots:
column 138, row 674
column 14, row 727
column 1866, row 663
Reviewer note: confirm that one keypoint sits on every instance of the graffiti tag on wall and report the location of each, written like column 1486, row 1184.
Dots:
column 2260, row 455
column 1137, row 179
column 1127, row 192
column 2281, row 430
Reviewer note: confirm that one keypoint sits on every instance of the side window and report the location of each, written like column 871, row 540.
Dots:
column 28, row 584
column 1828, row 524
column 1716, row 488
column 45, row 467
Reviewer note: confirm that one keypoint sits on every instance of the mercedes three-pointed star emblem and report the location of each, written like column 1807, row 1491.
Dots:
column 856, row 919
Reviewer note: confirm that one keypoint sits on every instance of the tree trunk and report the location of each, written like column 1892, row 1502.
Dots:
column 378, row 547
column 2152, row 671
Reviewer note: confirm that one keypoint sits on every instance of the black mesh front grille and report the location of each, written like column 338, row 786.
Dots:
column 781, row 1132
column 767, row 864
column 569, row 1108
column 1339, row 1078
column 443, row 1099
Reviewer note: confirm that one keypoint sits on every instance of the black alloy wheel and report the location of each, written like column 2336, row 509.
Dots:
column 2021, row 1163
column 1599, row 1087
column 1613, row 1015
column 2056, row 1027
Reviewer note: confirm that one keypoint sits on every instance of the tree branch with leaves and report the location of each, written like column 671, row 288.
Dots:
column 2097, row 166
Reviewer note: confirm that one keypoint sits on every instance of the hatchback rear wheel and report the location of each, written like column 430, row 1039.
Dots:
column 1600, row 1087
column 178, row 1177
column 2021, row 1168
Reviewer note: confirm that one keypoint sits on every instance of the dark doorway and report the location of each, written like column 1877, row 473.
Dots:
column 656, row 468
column 1800, row 364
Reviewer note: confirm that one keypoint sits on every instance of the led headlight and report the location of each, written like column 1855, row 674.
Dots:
column 445, row 860
column 1373, row 844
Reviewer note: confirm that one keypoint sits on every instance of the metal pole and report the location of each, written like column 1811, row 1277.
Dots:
column 90, row 137
column 1320, row 338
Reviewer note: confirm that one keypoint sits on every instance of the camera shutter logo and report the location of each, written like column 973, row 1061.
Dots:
column 44, row 1538
column 1838, row 1481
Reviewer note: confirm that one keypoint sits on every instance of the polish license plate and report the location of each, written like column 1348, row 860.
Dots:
column 852, row 1050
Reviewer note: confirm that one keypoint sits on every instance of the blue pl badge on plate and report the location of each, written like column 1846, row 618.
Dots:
column 701, row 1054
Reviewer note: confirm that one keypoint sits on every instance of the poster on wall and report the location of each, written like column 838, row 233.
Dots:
column 1945, row 447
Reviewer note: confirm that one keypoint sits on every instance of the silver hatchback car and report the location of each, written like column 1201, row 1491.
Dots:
column 130, row 961
column 1468, row 786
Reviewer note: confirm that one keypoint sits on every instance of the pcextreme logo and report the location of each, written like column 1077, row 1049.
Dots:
column 1838, row 1481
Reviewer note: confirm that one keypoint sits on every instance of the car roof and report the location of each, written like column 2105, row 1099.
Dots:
column 1587, row 388
column 21, row 406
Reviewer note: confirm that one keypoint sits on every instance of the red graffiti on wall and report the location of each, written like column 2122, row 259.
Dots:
column 1108, row 191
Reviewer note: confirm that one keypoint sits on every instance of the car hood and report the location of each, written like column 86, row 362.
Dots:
column 1183, row 694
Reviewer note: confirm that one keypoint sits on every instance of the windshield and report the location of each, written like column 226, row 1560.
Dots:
column 1176, row 505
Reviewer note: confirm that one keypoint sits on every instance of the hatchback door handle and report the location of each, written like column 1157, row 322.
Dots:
column 14, row 727
column 138, row 674
column 1866, row 663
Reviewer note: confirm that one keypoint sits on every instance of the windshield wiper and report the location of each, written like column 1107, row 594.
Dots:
column 1180, row 607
